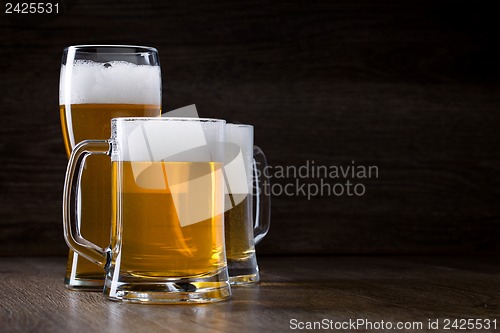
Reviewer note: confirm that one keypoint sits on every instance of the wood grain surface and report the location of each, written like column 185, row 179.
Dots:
column 411, row 87
column 392, row 289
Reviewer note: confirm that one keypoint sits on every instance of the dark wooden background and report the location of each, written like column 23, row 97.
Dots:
column 409, row 86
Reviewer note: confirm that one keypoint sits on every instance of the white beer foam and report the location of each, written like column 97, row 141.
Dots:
column 114, row 82
column 238, row 165
column 153, row 141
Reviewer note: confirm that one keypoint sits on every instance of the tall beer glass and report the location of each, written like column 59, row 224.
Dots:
column 98, row 83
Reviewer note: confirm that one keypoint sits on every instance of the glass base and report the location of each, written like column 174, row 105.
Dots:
column 243, row 271
column 205, row 289
column 79, row 284
column 83, row 275
column 244, row 280
column 171, row 293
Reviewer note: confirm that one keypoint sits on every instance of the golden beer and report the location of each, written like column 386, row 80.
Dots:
column 239, row 231
column 92, row 121
column 153, row 241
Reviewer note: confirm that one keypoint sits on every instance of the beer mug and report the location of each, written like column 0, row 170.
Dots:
column 98, row 83
column 245, row 164
column 167, row 202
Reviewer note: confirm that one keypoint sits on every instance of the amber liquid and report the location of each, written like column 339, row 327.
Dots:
column 153, row 242
column 93, row 121
column 239, row 231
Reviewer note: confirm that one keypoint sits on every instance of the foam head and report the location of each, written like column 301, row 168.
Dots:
column 238, row 164
column 168, row 139
column 113, row 82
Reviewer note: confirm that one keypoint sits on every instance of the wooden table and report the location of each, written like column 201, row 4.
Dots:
column 295, row 291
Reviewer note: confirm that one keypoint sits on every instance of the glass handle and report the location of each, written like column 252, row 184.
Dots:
column 263, row 195
column 71, row 224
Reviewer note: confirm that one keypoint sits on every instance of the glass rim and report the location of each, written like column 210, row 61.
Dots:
column 134, row 49
column 239, row 125
column 183, row 119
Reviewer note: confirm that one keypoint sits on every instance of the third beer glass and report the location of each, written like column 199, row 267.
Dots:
column 98, row 83
column 244, row 165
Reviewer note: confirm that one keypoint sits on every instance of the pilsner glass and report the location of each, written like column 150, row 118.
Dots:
column 167, row 229
column 98, row 83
